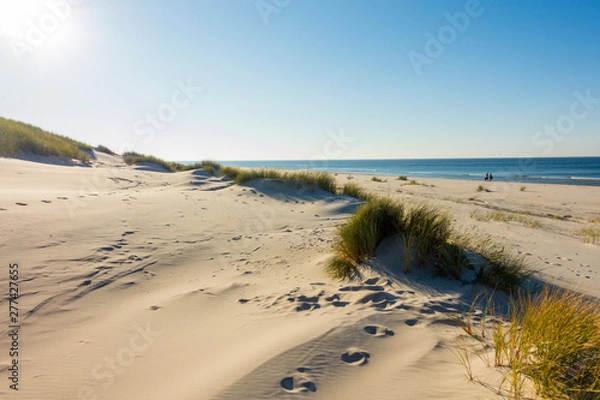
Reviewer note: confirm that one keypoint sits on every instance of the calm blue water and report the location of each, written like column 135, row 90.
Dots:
column 555, row 170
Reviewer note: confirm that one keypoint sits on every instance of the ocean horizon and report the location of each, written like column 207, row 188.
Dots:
column 546, row 170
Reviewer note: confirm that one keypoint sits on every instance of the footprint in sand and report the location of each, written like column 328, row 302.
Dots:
column 411, row 322
column 299, row 382
column 308, row 307
column 378, row 331
column 155, row 308
column 382, row 301
column 355, row 357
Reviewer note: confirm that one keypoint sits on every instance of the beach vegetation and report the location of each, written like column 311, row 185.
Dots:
column 481, row 188
column 355, row 190
column 322, row 180
column 18, row 139
column 589, row 234
column 402, row 178
column 210, row 166
column 427, row 238
column 499, row 216
column 133, row 158
column 105, row 150
column 425, row 232
column 523, row 188
column 551, row 340
column 498, row 268
column 376, row 179
column 358, row 239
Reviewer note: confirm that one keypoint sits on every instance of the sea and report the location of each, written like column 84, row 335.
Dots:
column 547, row 170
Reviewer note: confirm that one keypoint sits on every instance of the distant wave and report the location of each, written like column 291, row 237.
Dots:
column 584, row 179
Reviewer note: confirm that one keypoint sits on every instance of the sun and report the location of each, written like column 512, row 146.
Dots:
column 14, row 15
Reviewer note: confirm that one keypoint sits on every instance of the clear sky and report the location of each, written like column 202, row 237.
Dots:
column 304, row 79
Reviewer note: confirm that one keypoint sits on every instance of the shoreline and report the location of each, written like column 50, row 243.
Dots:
column 577, row 171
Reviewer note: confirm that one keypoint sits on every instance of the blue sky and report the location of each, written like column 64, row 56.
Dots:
column 304, row 79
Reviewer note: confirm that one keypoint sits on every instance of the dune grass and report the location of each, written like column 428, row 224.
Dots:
column 552, row 340
column 589, row 234
column 402, row 178
column 500, row 269
column 427, row 238
column 133, row 158
column 359, row 237
column 481, row 188
column 355, row 190
column 210, row 166
column 506, row 217
column 322, row 180
column 105, row 150
column 18, row 139
column 425, row 232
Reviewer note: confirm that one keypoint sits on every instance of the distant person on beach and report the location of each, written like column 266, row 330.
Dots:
column 486, row 176
column 491, row 176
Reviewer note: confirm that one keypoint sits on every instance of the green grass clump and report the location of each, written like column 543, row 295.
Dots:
column 425, row 232
column 506, row 217
column 322, row 180
column 431, row 230
column 401, row 178
column 18, row 139
column 376, row 179
column 481, row 188
column 231, row 172
column 427, row 237
column 500, row 269
column 210, row 166
column 355, row 190
column 553, row 341
column 358, row 239
column 106, row 150
column 589, row 234
column 523, row 188
column 133, row 158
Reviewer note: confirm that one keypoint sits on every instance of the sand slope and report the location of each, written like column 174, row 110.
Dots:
column 137, row 284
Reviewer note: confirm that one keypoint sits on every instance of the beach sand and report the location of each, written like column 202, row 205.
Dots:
column 138, row 284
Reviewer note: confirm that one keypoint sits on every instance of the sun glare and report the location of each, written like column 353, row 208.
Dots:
column 39, row 29
column 14, row 15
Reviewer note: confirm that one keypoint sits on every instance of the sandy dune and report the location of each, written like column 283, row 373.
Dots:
column 137, row 284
